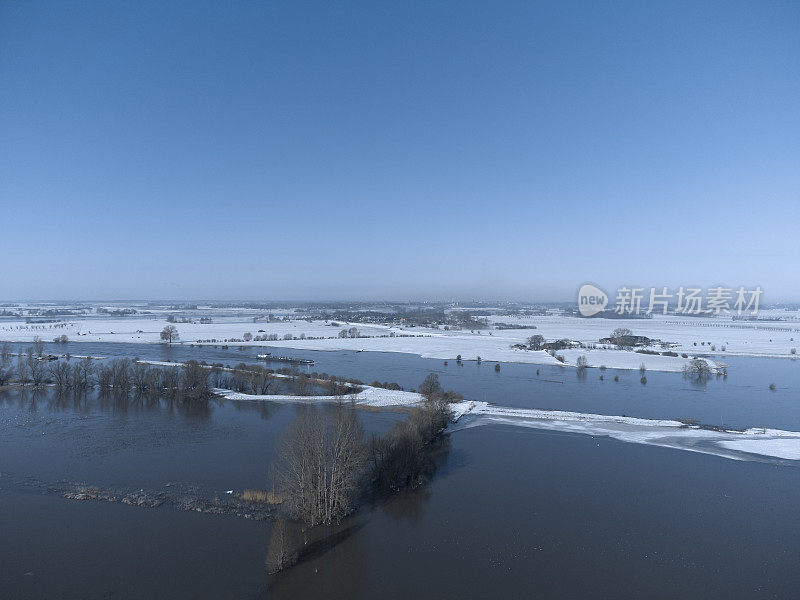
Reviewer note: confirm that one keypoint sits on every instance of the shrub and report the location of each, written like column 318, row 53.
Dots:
column 772, row 386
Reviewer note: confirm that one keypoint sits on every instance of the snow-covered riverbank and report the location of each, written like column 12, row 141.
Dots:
column 717, row 337
column 738, row 445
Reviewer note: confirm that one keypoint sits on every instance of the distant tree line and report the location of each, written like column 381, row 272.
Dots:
column 120, row 376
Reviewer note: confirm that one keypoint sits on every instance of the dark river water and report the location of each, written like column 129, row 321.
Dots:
column 740, row 400
column 511, row 512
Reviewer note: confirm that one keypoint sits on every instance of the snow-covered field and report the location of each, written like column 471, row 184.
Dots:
column 707, row 335
column 744, row 338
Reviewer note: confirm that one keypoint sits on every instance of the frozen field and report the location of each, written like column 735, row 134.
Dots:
column 719, row 337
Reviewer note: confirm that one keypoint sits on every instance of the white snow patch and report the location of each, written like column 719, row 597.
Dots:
column 738, row 445
column 787, row 448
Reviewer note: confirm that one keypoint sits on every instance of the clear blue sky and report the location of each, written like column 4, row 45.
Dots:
column 397, row 149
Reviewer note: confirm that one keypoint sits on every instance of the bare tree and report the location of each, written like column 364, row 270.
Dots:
column 169, row 334
column 60, row 372
column 171, row 381
column 38, row 345
column 5, row 376
column 22, row 368
column 217, row 375
column 195, row 381
column 697, row 369
column 154, row 382
column 122, row 380
column 36, row 370
column 139, row 377
column 430, row 387
column 5, row 352
column 284, row 543
column 302, row 385
column 262, row 381
column 247, row 336
column 82, row 373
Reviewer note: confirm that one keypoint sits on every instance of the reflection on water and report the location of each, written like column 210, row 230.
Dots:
column 742, row 399
column 86, row 401
column 510, row 512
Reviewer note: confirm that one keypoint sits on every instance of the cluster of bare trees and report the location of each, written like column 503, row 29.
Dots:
column 255, row 379
column 189, row 381
column 247, row 379
column 324, row 464
column 76, row 375
column 31, row 369
column 321, row 461
column 123, row 376
column 401, row 458
column 324, row 460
